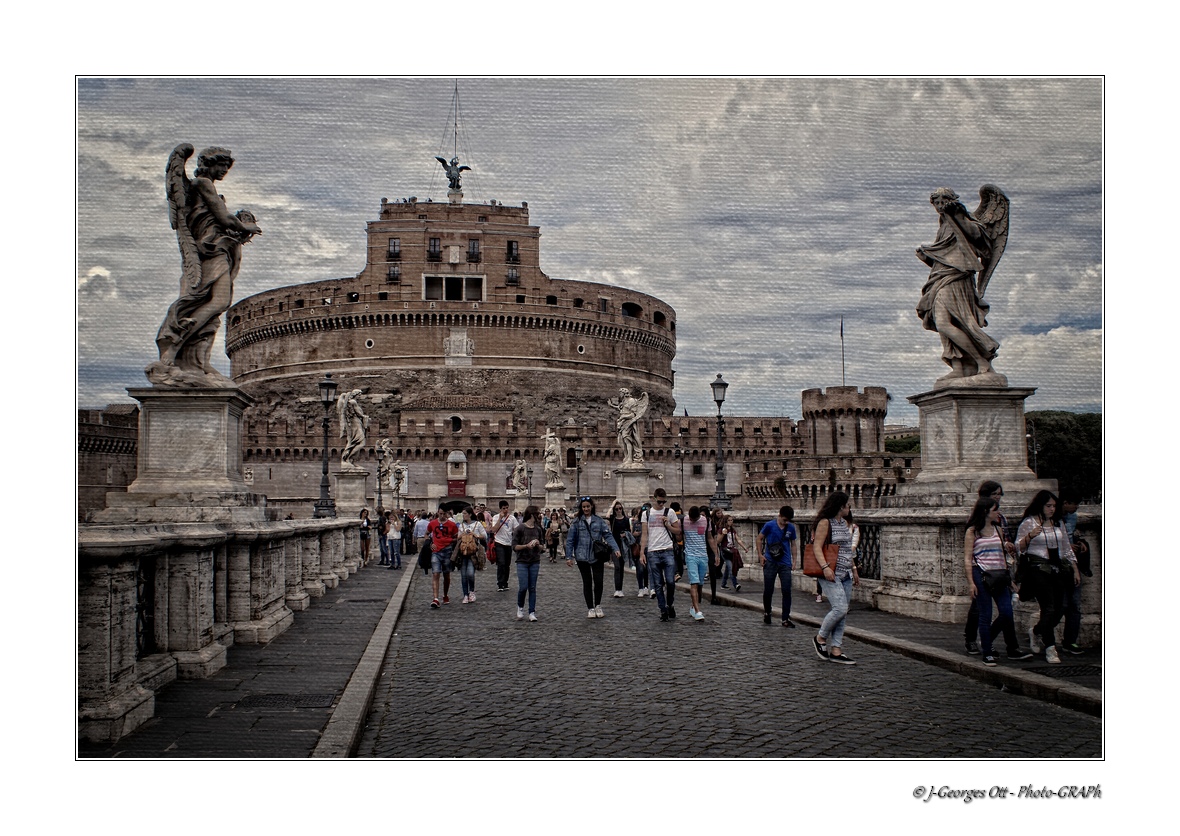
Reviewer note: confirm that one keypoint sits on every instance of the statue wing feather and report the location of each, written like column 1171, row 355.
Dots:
column 641, row 410
column 176, row 188
column 992, row 215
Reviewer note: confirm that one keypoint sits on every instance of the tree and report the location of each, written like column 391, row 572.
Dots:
column 1069, row 449
column 905, row 444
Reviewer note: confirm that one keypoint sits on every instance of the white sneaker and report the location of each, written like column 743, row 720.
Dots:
column 520, row 613
column 618, row 593
column 598, row 613
column 591, row 614
column 466, row 599
column 698, row 615
column 473, row 597
column 1034, row 641
column 642, row 593
column 1051, row 656
column 532, row 616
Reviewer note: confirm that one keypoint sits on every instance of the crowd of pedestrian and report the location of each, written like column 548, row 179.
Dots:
column 1043, row 560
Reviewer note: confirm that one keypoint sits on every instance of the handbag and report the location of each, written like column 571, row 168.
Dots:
column 811, row 566
column 599, row 547
column 997, row 581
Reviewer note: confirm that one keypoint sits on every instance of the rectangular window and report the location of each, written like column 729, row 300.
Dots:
column 395, row 273
column 454, row 288
column 395, row 249
column 698, row 469
column 473, row 252
column 513, row 252
column 513, row 276
column 603, row 304
column 434, row 251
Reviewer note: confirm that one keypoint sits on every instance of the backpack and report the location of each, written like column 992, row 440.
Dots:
column 468, row 545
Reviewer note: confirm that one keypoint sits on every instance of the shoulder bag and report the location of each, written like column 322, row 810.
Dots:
column 811, row 566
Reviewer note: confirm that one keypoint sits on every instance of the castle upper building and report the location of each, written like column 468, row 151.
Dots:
column 452, row 301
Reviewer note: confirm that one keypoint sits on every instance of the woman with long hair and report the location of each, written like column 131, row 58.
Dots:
column 469, row 560
column 1051, row 568
column 837, row 582
column 987, row 573
column 731, row 546
column 527, row 540
column 620, row 529
column 641, row 573
column 586, row 529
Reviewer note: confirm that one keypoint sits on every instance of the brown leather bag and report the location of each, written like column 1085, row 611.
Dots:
column 811, row 566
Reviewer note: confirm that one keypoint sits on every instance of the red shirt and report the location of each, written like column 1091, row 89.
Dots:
column 441, row 534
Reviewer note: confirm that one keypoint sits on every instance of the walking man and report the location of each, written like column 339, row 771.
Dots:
column 442, row 532
column 774, row 546
column 503, row 526
column 658, row 527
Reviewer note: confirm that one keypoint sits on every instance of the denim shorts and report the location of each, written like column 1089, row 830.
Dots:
column 440, row 562
column 697, row 568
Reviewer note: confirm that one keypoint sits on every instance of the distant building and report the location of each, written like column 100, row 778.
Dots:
column 107, row 450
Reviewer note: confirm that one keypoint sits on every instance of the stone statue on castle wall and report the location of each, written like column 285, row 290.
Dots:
column 210, row 241
column 353, row 424
column 631, row 412
column 520, row 476
column 453, row 170
column 962, row 260
column 399, row 478
column 553, row 462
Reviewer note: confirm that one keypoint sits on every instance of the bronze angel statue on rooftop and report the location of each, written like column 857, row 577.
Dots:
column 453, row 170
column 962, row 260
column 210, row 241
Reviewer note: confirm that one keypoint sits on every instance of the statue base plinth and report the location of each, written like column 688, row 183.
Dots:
column 632, row 486
column 455, row 195
column 556, row 497
column 189, row 466
column 351, row 492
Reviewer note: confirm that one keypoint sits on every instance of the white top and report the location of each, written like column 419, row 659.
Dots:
column 475, row 527
column 658, row 538
column 504, row 535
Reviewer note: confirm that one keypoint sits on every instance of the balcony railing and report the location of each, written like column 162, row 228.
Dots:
column 434, row 255
column 473, row 258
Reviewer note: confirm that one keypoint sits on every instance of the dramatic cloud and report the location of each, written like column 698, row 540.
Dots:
column 762, row 210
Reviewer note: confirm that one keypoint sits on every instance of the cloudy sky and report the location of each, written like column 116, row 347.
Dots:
column 762, row 210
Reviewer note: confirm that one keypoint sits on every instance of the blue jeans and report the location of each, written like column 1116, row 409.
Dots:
column 384, row 550
column 395, row 553
column 728, row 572
column 526, row 578
column 984, row 598
column 838, row 593
column 781, row 570
column 661, row 572
column 467, row 575
column 1073, row 611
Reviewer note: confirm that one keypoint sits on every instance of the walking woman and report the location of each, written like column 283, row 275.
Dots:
column 696, row 556
column 838, row 580
column 731, row 547
column 365, row 527
column 470, row 557
column 641, row 574
column 716, row 523
column 586, row 529
column 990, row 580
column 620, row 529
column 527, row 541
column 1051, row 567
column 553, row 537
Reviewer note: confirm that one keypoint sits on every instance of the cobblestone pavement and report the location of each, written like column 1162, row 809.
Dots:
column 270, row 701
column 472, row 681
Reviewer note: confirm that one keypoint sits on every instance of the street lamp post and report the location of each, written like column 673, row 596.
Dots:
column 326, row 507
column 679, row 455
column 720, row 498
column 529, row 475
column 578, row 451
column 380, row 467
column 1032, row 425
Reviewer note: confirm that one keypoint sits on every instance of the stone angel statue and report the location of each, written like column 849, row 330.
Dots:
column 520, row 476
column 962, row 260
column 631, row 411
column 553, row 462
column 353, row 423
column 453, row 170
column 210, row 241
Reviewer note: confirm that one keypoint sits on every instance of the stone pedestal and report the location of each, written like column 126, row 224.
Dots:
column 455, row 196
column 632, row 483
column 189, row 460
column 970, row 434
column 520, row 502
column 556, row 497
column 351, row 492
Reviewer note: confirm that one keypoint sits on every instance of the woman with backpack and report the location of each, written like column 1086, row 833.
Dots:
column 620, row 529
column 590, row 544
column 471, row 547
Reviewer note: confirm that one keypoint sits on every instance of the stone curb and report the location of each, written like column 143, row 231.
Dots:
column 342, row 734
column 1037, row 686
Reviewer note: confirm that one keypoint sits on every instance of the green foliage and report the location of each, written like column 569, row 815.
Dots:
column 1070, row 449
column 905, row 444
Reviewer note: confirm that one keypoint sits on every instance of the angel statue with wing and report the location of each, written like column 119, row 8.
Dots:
column 353, row 423
column 453, row 170
column 961, row 260
column 631, row 411
column 210, row 241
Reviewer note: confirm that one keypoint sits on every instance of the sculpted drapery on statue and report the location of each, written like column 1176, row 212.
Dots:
column 520, row 476
column 552, row 462
column 353, row 423
column 962, row 260
column 631, row 411
column 210, row 241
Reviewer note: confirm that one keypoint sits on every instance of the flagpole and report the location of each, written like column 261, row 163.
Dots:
column 842, row 383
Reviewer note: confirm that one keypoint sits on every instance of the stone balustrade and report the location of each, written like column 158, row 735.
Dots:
column 163, row 602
